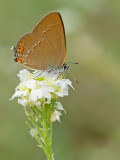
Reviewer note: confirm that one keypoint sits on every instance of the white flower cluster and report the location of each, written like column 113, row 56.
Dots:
column 36, row 91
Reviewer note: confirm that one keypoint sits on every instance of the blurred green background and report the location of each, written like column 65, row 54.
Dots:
column 91, row 128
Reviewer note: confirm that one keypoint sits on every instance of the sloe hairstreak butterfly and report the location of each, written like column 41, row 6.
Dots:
column 45, row 47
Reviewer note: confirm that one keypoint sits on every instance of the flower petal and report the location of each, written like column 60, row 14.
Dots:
column 23, row 101
column 35, row 94
column 59, row 106
column 24, row 75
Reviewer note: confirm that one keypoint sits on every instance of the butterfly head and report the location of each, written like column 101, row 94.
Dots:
column 65, row 67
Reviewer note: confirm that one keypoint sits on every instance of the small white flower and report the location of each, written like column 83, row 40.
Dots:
column 55, row 116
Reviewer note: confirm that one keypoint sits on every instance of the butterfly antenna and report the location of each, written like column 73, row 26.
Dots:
column 72, row 72
column 67, row 74
column 73, row 62
column 73, row 76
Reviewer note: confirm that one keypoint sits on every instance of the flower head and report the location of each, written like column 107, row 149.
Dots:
column 38, row 91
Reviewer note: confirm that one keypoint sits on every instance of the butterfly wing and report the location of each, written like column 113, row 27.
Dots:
column 45, row 45
column 51, row 27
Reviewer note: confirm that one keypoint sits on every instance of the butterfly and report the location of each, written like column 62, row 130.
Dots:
column 45, row 47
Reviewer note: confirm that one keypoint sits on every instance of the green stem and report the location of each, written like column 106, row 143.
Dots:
column 51, row 109
column 47, row 137
column 44, row 137
column 50, row 133
column 37, row 127
column 40, row 112
column 38, row 117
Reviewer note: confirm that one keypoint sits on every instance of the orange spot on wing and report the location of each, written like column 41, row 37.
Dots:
column 19, row 59
column 21, row 48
